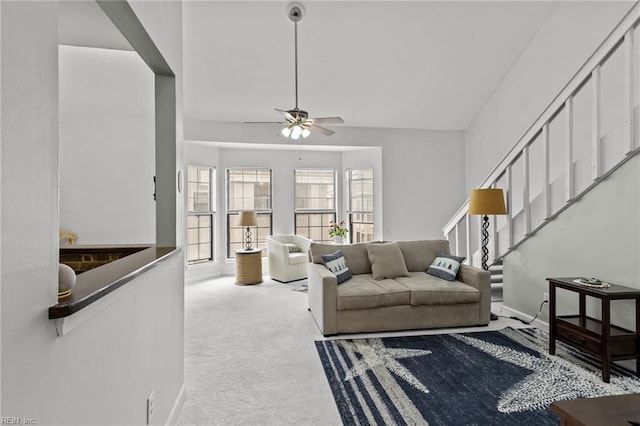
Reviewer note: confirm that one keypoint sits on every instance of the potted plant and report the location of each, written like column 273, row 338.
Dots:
column 338, row 232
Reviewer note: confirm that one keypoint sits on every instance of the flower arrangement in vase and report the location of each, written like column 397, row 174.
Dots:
column 337, row 231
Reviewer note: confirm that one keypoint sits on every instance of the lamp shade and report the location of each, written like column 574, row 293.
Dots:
column 487, row 201
column 248, row 218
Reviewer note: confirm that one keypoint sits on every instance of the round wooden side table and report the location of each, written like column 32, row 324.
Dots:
column 248, row 266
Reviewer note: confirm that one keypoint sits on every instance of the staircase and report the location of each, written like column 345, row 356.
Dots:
column 589, row 130
column 495, row 269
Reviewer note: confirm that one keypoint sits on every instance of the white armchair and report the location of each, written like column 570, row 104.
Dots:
column 288, row 257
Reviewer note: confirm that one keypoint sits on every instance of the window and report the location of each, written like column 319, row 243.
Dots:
column 200, row 213
column 360, row 212
column 315, row 196
column 248, row 189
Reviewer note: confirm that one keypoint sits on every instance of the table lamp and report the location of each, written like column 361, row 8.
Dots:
column 485, row 202
column 248, row 219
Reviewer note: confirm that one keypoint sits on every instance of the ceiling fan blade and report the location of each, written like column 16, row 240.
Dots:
column 266, row 122
column 327, row 120
column 286, row 114
column 321, row 130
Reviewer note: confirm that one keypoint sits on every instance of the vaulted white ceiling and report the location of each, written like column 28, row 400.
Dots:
column 393, row 64
column 416, row 64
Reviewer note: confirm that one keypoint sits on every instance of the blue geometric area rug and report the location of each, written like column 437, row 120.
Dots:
column 502, row 377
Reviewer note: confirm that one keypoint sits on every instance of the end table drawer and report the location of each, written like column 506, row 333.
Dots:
column 577, row 339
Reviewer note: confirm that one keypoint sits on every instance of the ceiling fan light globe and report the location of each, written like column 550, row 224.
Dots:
column 305, row 132
column 296, row 132
column 286, row 132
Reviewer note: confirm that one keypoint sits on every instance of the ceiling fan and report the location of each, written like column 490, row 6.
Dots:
column 298, row 123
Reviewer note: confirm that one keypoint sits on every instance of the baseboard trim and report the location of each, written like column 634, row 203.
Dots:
column 177, row 406
column 522, row 316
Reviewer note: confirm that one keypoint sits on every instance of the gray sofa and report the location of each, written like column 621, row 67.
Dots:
column 420, row 300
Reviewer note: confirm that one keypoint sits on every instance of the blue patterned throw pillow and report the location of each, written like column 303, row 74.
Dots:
column 445, row 266
column 335, row 263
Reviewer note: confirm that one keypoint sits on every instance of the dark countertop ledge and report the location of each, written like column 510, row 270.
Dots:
column 98, row 282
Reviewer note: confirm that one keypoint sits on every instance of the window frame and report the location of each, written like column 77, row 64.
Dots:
column 259, row 212
column 351, row 212
column 211, row 213
column 308, row 211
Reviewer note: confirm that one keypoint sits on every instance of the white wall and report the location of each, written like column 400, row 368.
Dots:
column 598, row 236
column 557, row 51
column 107, row 146
column 103, row 370
column 423, row 171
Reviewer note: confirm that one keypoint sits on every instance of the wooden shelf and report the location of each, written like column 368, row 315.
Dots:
column 592, row 325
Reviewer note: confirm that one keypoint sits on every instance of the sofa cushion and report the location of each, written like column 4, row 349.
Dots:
column 386, row 261
column 355, row 255
column 418, row 255
column 297, row 258
column 445, row 266
column 429, row 290
column 363, row 292
column 335, row 263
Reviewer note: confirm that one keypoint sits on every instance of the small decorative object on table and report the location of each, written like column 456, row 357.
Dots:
column 338, row 231
column 592, row 282
column 66, row 281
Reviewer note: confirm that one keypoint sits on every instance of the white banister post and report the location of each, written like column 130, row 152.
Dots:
column 525, row 191
column 595, row 118
column 568, row 144
column 509, row 206
column 468, row 226
column 457, row 239
column 546, row 189
column 629, row 101
column 494, row 235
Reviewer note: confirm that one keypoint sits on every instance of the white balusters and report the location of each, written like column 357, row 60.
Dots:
column 546, row 174
column 629, row 101
column 596, row 151
column 568, row 149
column 593, row 123
column 526, row 205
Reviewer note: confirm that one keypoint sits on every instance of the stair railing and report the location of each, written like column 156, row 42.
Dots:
column 588, row 131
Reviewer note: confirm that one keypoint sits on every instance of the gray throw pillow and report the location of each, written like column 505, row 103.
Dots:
column 445, row 266
column 335, row 263
column 386, row 261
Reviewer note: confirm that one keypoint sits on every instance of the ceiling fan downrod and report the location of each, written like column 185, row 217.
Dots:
column 295, row 16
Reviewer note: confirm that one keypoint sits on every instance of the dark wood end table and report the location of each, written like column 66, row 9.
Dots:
column 592, row 336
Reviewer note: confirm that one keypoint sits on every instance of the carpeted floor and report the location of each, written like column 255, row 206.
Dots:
column 486, row 378
column 250, row 356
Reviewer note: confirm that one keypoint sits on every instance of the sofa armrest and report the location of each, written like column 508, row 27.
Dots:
column 481, row 280
column 323, row 297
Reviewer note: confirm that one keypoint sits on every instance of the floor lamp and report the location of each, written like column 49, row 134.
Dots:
column 485, row 202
